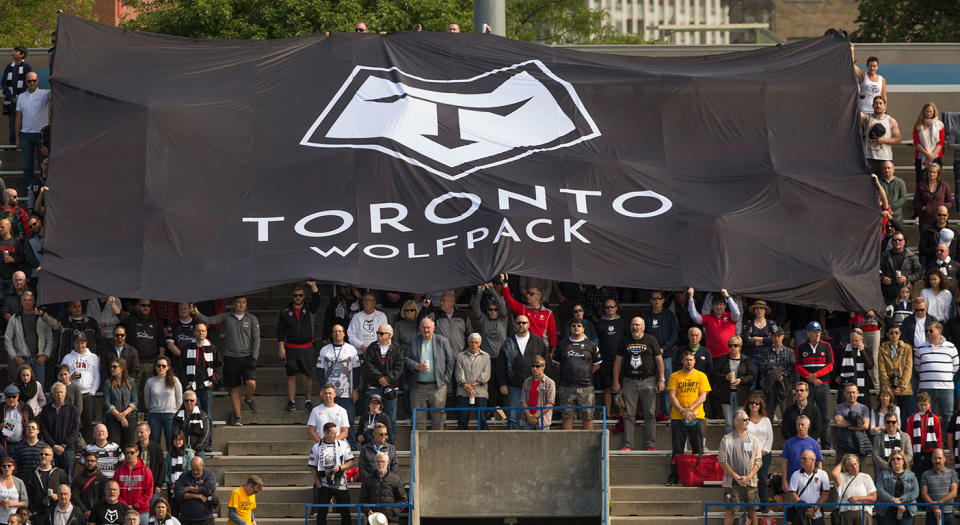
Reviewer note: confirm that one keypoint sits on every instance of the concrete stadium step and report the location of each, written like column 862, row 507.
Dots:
column 276, row 495
column 289, row 521
column 657, row 507
column 269, row 509
column 664, row 520
column 268, row 448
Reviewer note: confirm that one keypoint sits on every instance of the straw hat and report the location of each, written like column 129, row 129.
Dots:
column 377, row 518
column 760, row 303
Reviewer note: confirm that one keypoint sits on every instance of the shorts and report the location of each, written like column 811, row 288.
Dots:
column 576, row 396
column 237, row 370
column 604, row 377
column 738, row 494
column 296, row 361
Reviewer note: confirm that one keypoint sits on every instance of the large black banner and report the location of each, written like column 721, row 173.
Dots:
column 186, row 169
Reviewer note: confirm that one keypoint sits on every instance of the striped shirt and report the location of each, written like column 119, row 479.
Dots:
column 936, row 365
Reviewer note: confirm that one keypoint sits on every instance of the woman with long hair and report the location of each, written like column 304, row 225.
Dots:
column 13, row 491
column 886, row 403
column 928, row 139
column 761, row 428
column 162, row 396
column 31, row 391
column 177, row 462
column 120, row 403
column 932, row 192
column 939, row 299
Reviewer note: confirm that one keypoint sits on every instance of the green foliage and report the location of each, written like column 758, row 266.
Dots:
column 908, row 21
column 544, row 21
column 29, row 23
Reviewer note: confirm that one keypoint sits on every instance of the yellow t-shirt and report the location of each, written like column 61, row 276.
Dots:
column 244, row 503
column 688, row 387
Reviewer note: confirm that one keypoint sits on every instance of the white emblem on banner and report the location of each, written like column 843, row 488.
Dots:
column 454, row 127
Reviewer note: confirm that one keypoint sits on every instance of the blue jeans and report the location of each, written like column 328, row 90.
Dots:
column 205, row 400
column 348, row 405
column 463, row 416
column 762, row 476
column 755, row 360
column 941, row 400
column 65, row 461
column 31, row 150
column 160, row 423
column 664, row 401
column 513, row 400
column 528, row 426
column 38, row 370
column 390, row 408
column 729, row 408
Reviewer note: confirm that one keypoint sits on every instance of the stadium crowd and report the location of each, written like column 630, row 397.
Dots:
column 117, row 427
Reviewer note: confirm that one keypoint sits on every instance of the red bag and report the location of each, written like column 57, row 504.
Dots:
column 353, row 475
column 694, row 469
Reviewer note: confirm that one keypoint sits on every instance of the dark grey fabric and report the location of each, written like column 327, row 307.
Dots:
column 239, row 165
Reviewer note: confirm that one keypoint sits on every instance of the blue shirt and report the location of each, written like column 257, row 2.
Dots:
column 426, row 356
column 794, row 447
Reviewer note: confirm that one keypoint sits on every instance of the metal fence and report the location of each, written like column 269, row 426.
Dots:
column 825, row 505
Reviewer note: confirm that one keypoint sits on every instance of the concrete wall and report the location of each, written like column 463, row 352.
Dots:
column 507, row 473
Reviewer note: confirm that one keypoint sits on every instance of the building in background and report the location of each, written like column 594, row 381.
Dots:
column 736, row 21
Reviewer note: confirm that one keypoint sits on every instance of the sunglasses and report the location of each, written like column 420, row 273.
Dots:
column 754, row 403
column 189, row 400
column 533, row 293
column 299, row 295
column 610, row 306
column 492, row 310
column 929, row 330
column 536, row 366
column 733, row 346
column 130, row 452
column 7, row 465
column 161, row 366
column 577, row 310
column 115, row 366
column 891, row 422
column 384, row 333
column 410, row 310
column 656, row 298
column 32, row 81
column 360, row 30
column 119, row 335
column 522, row 322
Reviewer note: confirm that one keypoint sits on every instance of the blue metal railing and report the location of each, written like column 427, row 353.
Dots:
column 785, row 505
column 359, row 507
column 480, row 410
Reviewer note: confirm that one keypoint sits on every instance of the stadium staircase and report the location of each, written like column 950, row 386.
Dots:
column 274, row 443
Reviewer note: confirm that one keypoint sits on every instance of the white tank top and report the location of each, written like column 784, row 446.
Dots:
column 868, row 90
column 12, row 495
column 878, row 151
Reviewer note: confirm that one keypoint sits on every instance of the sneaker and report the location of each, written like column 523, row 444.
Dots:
column 235, row 421
column 673, row 480
column 291, row 406
column 626, row 448
column 663, row 417
column 250, row 403
column 651, row 448
column 308, row 405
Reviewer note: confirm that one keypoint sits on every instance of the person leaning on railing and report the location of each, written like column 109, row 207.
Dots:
column 897, row 485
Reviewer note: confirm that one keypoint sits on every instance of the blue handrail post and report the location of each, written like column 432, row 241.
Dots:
column 603, row 468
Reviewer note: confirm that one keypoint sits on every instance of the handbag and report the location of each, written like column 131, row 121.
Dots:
column 695, row 469
column 835, row 513
column 792, row 511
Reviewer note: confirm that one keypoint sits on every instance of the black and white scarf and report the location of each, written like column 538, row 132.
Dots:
column 852, row 369
column 194, row 425
column 956, row 439
column 14, row 72
column 923, row 439
column 200, row 361
column 176, row 465
column 891, row 443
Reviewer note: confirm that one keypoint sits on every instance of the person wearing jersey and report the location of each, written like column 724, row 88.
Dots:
column 179, row 338
column 879, row 147
column 638, row 367
column 578, row 358
column 814, row 364
column 295, row 342
column 542, row 322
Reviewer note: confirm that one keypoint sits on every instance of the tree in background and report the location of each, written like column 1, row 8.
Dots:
column 908, row 21
column 544, row 21
column 29, row 23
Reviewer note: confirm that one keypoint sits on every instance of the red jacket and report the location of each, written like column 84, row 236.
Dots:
column 136, row 485
column 542, row 323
